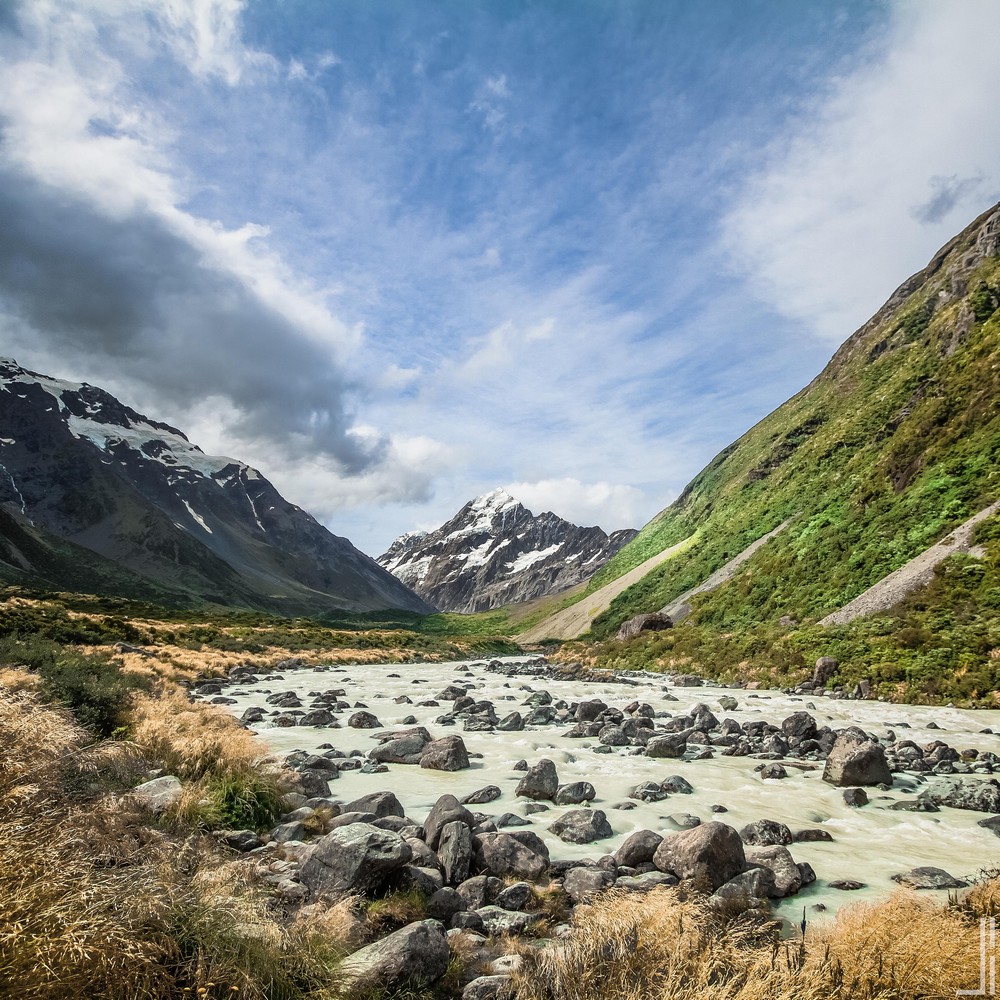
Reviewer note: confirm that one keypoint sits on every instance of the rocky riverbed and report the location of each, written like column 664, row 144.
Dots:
column 639, row 752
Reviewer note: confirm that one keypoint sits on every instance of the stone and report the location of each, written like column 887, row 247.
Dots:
column 378, row 803
column 645, row 881
column 364, row 720
column 801, row 725
column 712, row 852
column 575, row 793
column 240, row 840
column 515, row 897
column 318, row 717
column 856, row 797
column 823, row 672
column 498, row 921
column 489, row 988
column 677, row 785
column 406, row 749
column 991, row 823
column 316, row 784
column 479, row 890
column 856, row 760
column 456, row 851
column 540, row 782
column 774, row 770
column 354, row 859
column 753, row 884
column 159, row 794
column 671, row 745
column 810, row 836
column 482, row 795
column 654, row 622
column 928, row 878
column 411, row 958
column 582, row 826
column 512, row 723
column 765, row 832
column 446, row 754
column 787, row 877
column 638, row 848
column 846, row 884
column 583, row 884
column 521, row 853
column 444, row 904
column 446, row 810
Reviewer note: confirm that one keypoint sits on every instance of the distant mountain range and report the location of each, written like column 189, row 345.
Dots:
column 494, row 551
column 97, row 497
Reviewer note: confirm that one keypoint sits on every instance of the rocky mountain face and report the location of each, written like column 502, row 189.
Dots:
column 494, row 551
column 95, row 496
column 894, row 444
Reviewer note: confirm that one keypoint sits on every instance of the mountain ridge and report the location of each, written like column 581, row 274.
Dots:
column 494, row 551
column 80, row 466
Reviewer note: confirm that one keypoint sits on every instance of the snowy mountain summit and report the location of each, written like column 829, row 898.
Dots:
column 494, row 551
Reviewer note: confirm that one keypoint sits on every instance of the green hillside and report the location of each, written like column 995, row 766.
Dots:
column 891, row 446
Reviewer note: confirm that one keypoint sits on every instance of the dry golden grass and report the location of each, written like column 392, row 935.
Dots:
column 193, row 739
column 660, row 947
column 99, row 903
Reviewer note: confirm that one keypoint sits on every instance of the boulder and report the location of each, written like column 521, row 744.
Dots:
column 670, row 745
column 645, row 881
column 407, row 749
column 499, row 921
column 575, row 793
column 379, row 803
column 482, row 795
column 489, row 988
column 928, row 878
column 158, row 795
column 856, row 760
column 638, row 848
column 855, row 797
column 712, row 851
column 411, row 958
column 456, row 851
column 787, row 877
column 521, row 853
column 354, row 859
column 801, row 725
column 446, row 810
column 540, row 782
column 364, row 720
column 582, row 826
column 445, row 754
column 765, row 832
column 753, row 884
column 515, row 897
column 582, row 884
column 655, row 622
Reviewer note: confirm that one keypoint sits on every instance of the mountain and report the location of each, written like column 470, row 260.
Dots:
column 95, row 496
column 494, row 551
column 894, row 444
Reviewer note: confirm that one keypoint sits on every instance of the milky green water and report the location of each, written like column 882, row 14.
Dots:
column 870, row 844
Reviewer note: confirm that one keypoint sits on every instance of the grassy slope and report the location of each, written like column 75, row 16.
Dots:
column 892, row 445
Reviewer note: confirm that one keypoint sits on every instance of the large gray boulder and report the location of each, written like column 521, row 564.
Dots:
column 778, row 860
column 671, row 745
column 856, row 760
column 712, row 852
column 928, row 878
column 499, row 921
column 521, row 853
column 540, row 781
column 446, row 810
column 489, row 988
column 456, row 851
column 583, row 884
column 582, row 826
column 380, row 803
column 354, row 859
column 575, row 793
column 638, row 848
column 764, row 832
column 159, row 794
column 411, row 958
column 403, row 748
column 446, row 754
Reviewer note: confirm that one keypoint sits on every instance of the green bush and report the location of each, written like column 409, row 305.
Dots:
column 90, row 684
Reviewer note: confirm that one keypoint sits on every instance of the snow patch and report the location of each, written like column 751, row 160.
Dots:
column 526, row 559
column 196, row 516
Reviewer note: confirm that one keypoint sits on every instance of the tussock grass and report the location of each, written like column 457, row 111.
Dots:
column 663, row 947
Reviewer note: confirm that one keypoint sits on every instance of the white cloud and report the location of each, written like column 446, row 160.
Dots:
column 611, row 505
column 872, row 177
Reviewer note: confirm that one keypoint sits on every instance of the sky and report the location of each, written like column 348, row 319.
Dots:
column 396, row 253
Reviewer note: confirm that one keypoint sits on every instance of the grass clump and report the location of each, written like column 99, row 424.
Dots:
column 664, row 947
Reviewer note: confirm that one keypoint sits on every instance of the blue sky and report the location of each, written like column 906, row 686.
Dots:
column 395, row 254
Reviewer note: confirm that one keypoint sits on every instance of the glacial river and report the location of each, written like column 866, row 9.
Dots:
column 869, row 844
